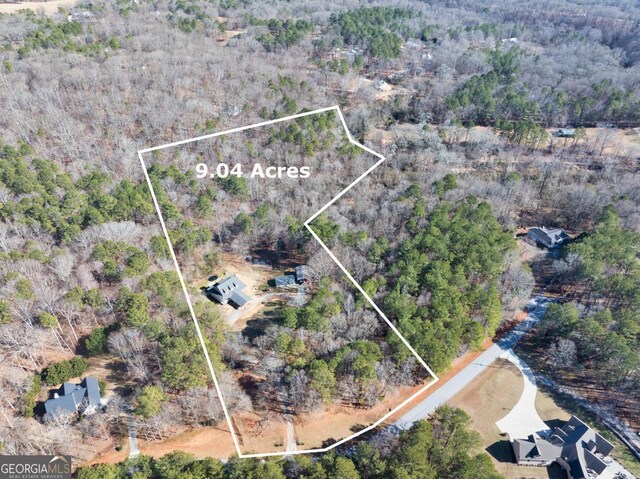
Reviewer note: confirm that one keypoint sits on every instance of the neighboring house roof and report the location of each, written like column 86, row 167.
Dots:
column 68, row 398
column 536, row 450
column 574, row 447
column 66, row 388
column 229, row 290
column 579, row 448
column 381, row 85
column 548, row 237
column 525, row 449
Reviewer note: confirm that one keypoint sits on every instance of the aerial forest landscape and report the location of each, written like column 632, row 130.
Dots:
column 359, row 240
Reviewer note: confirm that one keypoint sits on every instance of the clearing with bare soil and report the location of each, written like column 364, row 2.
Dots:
column 45, row 7
column 214, row 441
column 311, row 428
column 254, row 276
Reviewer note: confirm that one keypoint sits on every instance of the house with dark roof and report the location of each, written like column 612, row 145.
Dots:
column 229, row 291
column 291, row 279
column 575, row 446
column 549, row 238
column 72, row 398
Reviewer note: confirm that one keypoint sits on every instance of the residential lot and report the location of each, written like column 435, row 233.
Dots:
column 487, row 399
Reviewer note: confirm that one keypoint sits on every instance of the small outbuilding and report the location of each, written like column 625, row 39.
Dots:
column 300, row 275
column 565, row 133
column 291, row 279
column 229, row 290
column 285, row 280
column 381, row 85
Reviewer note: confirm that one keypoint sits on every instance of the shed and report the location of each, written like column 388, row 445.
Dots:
column 300, row 274
column 566, row 133
column 285, row 280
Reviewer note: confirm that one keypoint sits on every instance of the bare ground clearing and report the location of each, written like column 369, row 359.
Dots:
column 259, row 433
column 46, row 7
column 312, row 430
column 214, row 441
column 254, row 276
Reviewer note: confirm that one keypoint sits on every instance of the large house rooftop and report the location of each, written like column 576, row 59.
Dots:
column 575, row 446
column 69, row 398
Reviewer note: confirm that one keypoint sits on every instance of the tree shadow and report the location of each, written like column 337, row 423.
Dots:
column 118, row 371
column 256, row 327
column 501, row 451
column 39, row 410
column 357, row 428
column 329, row 442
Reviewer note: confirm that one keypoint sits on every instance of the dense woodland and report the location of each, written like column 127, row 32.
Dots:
column 437, row 275
column 595, row 338
column 85, row 273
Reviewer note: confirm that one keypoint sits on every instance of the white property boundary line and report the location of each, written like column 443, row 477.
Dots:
column 335, row 108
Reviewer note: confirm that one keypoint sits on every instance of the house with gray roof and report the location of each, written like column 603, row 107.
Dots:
column 549, row 238
column 72, row 398
column 575, row 446
column 229, row 291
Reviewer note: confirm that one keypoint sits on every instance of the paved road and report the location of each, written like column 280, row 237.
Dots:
column 536, row 307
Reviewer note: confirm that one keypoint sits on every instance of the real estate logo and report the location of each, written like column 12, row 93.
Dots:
column 35, row 467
